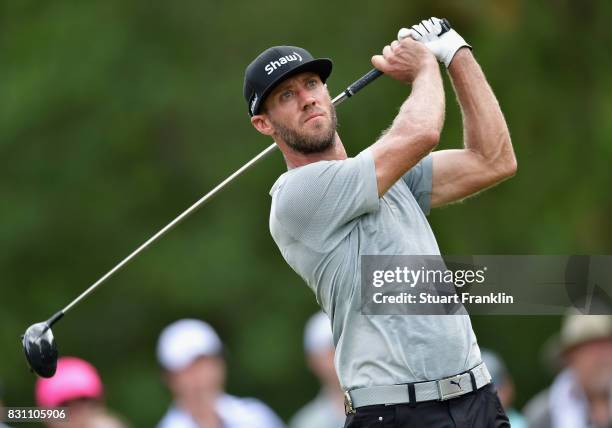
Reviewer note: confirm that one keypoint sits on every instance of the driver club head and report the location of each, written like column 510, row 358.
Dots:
column 40, row 349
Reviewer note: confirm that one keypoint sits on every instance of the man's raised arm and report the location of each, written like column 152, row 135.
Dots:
column 487, row 157
column 416, row 129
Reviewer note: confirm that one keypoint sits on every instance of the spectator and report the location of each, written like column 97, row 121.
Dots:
column 327, row 409
column 77, row 386
column 1, row 406
column 504, row 385
column 190, row 352
column 580, row 396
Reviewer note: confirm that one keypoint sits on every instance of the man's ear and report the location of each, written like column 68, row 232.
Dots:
column 262, row 124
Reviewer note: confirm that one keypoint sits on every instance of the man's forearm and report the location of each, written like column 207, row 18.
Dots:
column 484, row 126
column 424, row 108
column 415, row 130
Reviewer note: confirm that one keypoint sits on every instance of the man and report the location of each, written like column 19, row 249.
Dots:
column 329, row 209
column 504, row 385
column 1, row 407
column 581, row 395
column 190, row 353
column 78, row 387
column 327, row 409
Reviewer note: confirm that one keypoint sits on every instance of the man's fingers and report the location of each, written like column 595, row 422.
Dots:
column 408, row 32
column 436, row 24
column 379, row 62
column 387, row 52
column 427, row 25
column 432, row 25
column 403, row 33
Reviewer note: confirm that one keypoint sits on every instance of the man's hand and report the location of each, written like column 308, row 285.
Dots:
column 404, row 60
column 436, row 34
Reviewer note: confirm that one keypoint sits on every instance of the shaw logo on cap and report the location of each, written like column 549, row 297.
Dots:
column 273, row 65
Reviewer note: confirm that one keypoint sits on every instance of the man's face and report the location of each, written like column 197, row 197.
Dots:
column 592, row 364
column 202, row 380
column 301, row 113
column 81, row 411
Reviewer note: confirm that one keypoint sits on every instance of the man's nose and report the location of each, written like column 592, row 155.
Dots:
column 308, row 100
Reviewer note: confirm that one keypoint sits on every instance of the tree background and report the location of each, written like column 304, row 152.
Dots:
column 115, row 116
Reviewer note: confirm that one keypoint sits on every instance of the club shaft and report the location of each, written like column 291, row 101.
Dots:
column 170, row 226
column 349, row 92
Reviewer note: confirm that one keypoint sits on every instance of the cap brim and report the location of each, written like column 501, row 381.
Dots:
column 321, row 66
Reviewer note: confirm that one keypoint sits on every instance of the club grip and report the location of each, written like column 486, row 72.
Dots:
column 366, row 79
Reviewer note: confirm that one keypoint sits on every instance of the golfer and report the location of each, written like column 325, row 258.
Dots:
column 328, row 209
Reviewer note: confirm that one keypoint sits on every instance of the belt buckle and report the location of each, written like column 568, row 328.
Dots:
column 348, row 404
column 450, row 387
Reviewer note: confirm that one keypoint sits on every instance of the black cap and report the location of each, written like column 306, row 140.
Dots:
column 273, row 66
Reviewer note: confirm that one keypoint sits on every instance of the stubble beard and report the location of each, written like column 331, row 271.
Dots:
column 309, row 144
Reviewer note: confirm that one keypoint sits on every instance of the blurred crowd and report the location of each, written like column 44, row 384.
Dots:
column 1, row 407
column 191, row 358
column 581, row 393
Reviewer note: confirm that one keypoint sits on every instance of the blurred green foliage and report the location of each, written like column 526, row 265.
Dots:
column 115, row 116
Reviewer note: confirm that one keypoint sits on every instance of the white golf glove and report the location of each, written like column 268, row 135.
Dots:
column 438, row 36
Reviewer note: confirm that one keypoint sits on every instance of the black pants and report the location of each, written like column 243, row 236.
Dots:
column 480, row 409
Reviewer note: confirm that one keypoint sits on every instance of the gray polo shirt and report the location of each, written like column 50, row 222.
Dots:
column 327, row 214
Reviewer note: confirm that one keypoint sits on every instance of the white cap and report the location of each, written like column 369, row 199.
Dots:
column 183, row 341
column 318, row 335
column 578, row 329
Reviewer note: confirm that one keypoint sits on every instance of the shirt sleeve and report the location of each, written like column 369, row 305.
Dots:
column 420, row 181
column 322, row 199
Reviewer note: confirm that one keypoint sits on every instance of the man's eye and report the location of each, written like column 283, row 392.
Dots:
column 286, row 95
column 312, row 83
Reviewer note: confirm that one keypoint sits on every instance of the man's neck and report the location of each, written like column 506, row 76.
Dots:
column 203, row 410
column 295, row 159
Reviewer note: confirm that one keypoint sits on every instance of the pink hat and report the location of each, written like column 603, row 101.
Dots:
column 75, row 378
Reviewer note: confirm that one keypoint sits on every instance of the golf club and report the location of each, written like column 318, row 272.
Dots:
column 38, row 341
